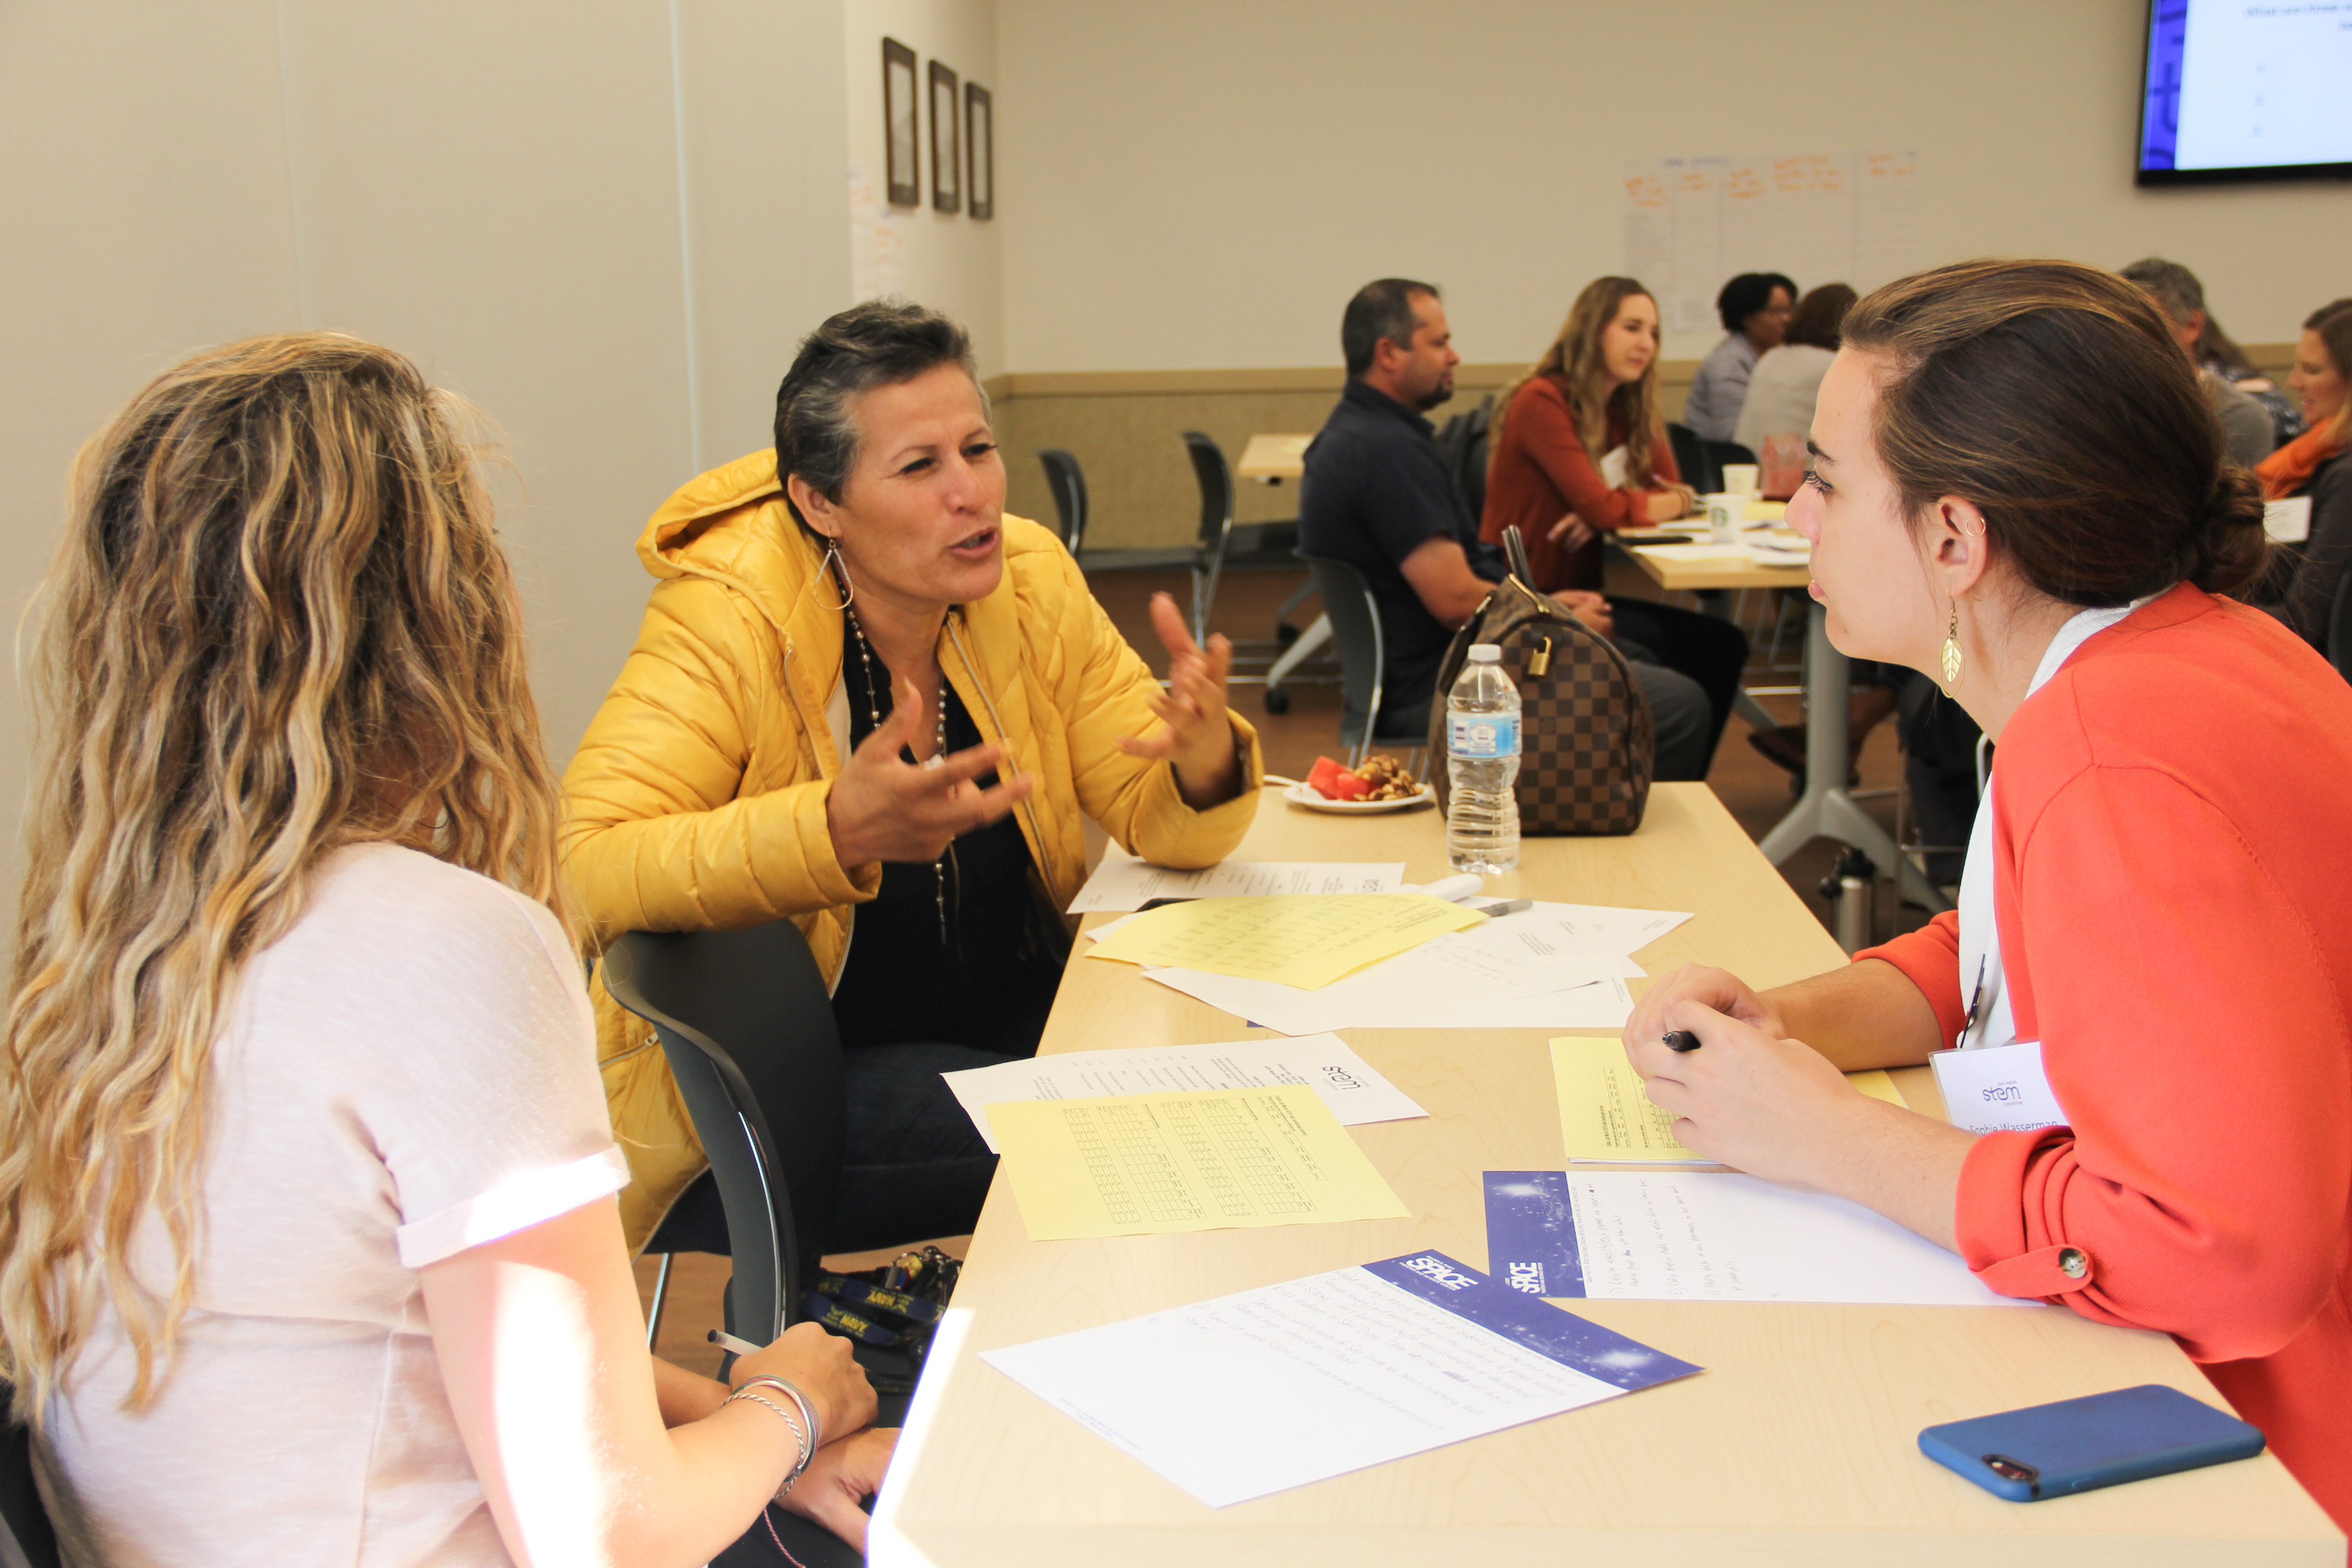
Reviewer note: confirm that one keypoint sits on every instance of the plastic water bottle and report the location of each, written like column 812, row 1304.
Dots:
column 1481, row 760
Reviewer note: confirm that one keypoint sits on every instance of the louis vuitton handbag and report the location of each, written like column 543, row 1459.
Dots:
column 1588, row 748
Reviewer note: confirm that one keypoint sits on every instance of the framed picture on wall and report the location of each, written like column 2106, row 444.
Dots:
column 947, row 162
column 979, row 149
column 902, row 101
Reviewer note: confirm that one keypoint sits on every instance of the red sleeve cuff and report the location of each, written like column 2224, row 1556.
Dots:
column 1990, row 1222
column 1930, row 959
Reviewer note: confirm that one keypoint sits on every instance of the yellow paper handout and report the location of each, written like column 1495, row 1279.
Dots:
column 1606, row 1117
column 1303, row 940
column 1147, row 1164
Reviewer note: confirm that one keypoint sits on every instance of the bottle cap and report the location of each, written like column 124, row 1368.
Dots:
column 1486, row 653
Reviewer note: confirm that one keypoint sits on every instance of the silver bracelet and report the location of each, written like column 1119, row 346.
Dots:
column 792, row 1390
column 800, row 1437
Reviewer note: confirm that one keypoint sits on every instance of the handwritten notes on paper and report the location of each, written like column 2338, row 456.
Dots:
column 1303, row 942
column 1123, row 882
column 1158, row 1163
column 1605, row 1117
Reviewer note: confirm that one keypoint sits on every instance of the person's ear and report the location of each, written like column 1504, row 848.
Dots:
column 1958, row 544
column 2196, row 325
column 821, row 513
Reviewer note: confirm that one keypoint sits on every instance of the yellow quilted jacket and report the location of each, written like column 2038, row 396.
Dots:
column 697, row 798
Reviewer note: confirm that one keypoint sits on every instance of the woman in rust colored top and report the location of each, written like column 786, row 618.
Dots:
column 2019, row 488
column 1593, row 394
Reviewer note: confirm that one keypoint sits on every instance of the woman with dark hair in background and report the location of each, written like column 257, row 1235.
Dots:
column 1578, row 450
column 1781, row 390
column 2302, row 585
column 2020, row 488
column 866, row 700
column 1755, row 308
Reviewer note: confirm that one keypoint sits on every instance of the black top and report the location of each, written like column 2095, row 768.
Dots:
column 2301, row 586
column 991, row 984
column 1376, row 488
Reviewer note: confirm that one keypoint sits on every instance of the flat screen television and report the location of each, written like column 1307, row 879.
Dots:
column 2246, row 90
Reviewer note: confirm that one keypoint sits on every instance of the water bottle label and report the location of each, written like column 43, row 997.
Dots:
column 1482, row 734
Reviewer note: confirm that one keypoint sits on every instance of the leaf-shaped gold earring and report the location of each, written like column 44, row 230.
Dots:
column 1952, row 653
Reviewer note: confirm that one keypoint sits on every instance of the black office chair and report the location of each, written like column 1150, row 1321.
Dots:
column 1690, row 458
column 1470, row 459
column 26, row 1537
column 1363, row 658
column 1216, row 548
column 2338, row 645
column 1068, row 483
column 745, row 1020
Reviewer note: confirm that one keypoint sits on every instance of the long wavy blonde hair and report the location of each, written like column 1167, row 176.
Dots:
column 1574, row 361
column 279, row 623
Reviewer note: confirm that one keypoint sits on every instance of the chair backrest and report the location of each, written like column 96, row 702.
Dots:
column 1215, row 477
column 1719, row 455
column 1363, row 656
column 1068, row 483
column 1470, row 463
column 26, row 1539
column 746, row 1022
column 2338, row 645
column 1691, row 459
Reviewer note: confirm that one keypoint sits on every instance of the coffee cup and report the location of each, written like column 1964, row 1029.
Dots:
column 1739, row 478
column 1724, row 513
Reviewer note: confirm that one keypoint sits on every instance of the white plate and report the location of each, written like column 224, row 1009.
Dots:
column 1313, row 800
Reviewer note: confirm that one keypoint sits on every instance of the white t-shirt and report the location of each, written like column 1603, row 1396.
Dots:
column 408, row 1072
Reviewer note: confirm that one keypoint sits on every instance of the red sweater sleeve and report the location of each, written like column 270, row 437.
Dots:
column 2193, row 1036
column 1930, row 959
column 1540, row 424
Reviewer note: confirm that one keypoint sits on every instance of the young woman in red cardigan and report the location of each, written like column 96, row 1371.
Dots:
column 2021, row 489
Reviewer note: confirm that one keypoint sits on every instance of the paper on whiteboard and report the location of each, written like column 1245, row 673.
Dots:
column 1343, row 1081
column 2288, row 521
column 1997, row 1089
column 1364, row 1365
column 1676, row 1235
column 1123, row 882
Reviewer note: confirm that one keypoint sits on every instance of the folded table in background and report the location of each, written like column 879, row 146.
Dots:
column 1798, row 1445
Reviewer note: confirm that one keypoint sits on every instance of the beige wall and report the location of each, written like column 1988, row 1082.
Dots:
column 949, row 261
column 500, row 191
column 1201, row 185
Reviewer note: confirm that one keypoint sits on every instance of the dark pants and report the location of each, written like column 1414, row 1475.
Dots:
column 797, row 1541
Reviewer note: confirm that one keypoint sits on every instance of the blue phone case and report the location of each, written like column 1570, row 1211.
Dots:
column 2077, row 1444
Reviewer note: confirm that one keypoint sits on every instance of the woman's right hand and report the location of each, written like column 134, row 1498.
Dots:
column 820, row 1366
column 882, row 807
column 1716, row 988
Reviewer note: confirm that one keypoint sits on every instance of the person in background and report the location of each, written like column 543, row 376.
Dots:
column 1578, row 450
column 1781, row 388
column 1755, row 308
column 308, row 1246
column 2250, row 434
column 2302, row 585
column 1378, row 496
column 2012, row 462
column 866, row 700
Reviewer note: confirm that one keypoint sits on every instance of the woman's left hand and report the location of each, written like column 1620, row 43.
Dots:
column 1770, row 1107
column 1199, row 739
column 843, row 1474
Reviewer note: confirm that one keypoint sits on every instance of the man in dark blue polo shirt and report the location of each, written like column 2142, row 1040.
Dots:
column 1377, row 495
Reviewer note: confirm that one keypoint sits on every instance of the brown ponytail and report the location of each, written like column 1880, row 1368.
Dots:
column 2052, row 397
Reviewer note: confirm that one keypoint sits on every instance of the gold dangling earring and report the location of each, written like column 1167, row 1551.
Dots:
column 1952, row 653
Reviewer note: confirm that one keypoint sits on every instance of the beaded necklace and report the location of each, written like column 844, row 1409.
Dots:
column 938, row 751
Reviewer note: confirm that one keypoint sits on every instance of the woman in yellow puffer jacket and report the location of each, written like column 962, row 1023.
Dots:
column 864, row 685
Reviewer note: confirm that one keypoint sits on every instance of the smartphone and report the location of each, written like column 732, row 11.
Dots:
column 2079, row 1445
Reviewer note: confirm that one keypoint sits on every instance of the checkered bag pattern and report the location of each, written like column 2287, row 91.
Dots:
column 1588, row 748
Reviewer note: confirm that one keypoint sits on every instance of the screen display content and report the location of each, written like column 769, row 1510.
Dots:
column 2245, row 90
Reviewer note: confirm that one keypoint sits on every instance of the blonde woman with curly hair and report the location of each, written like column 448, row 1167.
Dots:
column 309, row 1251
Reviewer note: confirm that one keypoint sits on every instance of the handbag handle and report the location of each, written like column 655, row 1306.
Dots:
column 1514, row 550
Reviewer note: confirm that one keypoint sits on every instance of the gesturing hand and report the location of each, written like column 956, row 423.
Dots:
column 1199, row 738
column 1588, row 607
column 884, row 808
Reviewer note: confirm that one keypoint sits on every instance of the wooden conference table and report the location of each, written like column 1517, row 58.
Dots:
column 1797, row 1447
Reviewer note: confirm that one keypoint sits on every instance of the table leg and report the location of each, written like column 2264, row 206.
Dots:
column 1826, row 810
column 1718, row 602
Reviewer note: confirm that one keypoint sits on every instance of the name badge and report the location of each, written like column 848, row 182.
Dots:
column 1999, row 1089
